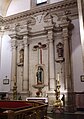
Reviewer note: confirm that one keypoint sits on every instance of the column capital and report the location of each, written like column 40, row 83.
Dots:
column 16, row 36
column 65, row 32
column 12, row 35
column 49, row 30
column 14, row 43
column 50, row 36
column 25, row 40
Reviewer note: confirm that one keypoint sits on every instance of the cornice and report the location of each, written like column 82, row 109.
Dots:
column 39, row 33
column 60, row 6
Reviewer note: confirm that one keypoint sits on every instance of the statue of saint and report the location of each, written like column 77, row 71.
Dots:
column 60, row 49
column 21, row 56
column 39, row 75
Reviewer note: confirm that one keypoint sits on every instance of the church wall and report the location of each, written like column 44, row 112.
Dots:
column 5, row 63
column 77, row 64
column 77, row 61
column 31, row 30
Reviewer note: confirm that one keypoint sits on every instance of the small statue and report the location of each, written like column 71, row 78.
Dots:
column 60, row 50
column 39, row 75
column 21, row 55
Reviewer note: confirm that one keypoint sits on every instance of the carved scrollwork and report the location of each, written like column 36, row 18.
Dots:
column 31, row 21
column 53, row 19
column 48, row 17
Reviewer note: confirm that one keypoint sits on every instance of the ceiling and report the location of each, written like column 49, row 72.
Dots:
column 4, row 4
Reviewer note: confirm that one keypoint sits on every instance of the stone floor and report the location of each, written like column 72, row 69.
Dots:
column 76, row 115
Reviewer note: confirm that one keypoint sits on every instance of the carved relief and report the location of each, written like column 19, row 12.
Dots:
column 31, row 21
column 53, row 19
column 48, row 17
column 17, row 27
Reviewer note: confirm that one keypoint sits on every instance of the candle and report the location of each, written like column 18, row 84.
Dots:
column 58, row 77
column 15, row 79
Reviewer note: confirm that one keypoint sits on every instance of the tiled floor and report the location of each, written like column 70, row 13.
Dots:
column 77, row 115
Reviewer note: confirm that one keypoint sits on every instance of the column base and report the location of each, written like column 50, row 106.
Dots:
column 70, row 102
column 58, row 110
column 51, row 100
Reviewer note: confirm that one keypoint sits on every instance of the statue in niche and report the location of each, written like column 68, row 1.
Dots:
column 39, row 75
column 60, row 50
column 21, row 55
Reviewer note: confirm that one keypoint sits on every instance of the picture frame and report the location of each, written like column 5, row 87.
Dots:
column 82, row 78
column 5, row 81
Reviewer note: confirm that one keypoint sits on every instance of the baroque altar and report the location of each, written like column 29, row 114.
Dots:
column 36, row 39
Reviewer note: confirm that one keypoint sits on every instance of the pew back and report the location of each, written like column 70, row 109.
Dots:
column 37, row 110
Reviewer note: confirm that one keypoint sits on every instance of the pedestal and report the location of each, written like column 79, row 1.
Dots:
column 39, row 87
column 58, row 109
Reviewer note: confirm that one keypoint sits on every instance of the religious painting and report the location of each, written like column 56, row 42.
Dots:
column 6, row 81
column 82, row 78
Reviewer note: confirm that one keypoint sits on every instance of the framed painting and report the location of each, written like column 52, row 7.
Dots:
column 5, row 81
column 82, row 78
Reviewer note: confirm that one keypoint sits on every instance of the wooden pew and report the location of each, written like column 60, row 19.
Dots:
column 36, row 110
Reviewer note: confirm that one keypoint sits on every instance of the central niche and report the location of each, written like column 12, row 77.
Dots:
column 40, row 75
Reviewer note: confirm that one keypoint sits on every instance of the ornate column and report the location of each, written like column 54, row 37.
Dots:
column 26, row 63
column 51, row 58
column 66, row 29
column 14, row 62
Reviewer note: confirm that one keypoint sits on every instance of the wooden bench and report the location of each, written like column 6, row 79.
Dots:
column 28, row 110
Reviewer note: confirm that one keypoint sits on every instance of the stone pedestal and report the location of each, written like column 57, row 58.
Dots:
column 39, row 87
